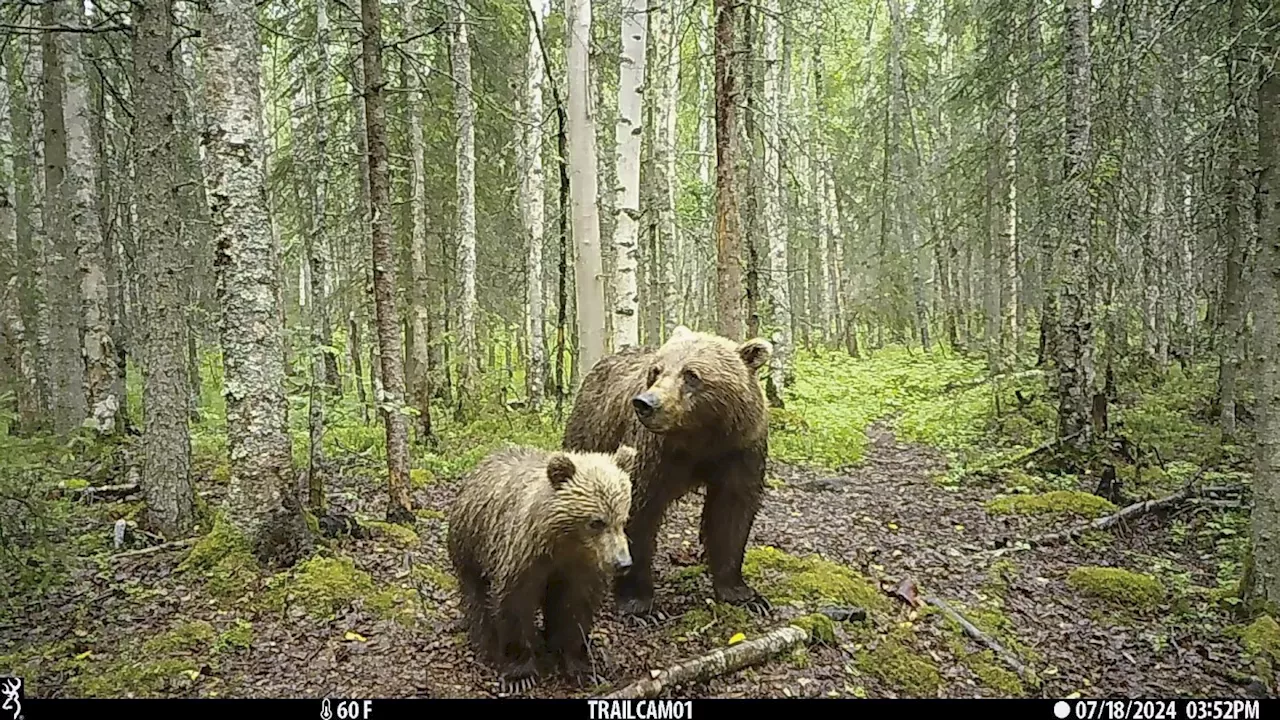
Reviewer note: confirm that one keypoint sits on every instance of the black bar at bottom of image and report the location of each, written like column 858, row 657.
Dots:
column 596, row 709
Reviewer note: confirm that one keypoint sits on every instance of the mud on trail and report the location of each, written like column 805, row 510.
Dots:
column 387, row 624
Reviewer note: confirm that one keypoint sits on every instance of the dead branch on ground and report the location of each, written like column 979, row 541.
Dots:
column 972, row 631
column 719, row 662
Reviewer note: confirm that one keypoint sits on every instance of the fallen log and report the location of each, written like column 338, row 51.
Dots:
column 105, row 490
column 974, row 632
column 174, row 545
column 722, row 661
column 1126, row 513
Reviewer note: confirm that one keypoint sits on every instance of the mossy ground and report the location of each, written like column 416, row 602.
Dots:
column 1117, row 586
column 1057, row 502
column 809, row 581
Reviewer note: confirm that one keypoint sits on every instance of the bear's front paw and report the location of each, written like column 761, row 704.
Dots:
column 519, row 678
column 744, row 596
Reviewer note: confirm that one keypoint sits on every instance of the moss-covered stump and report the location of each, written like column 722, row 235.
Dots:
column 1055, row 503
column 1119, row 587
column 223, row 561
column 1261, row 641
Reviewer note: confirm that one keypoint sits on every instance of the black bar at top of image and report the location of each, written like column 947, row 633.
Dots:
column 672, row 709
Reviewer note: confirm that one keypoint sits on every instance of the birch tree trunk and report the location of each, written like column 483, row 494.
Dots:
column 729, row 288
column 534, row 217
column 262, row 502
column 420, row 316
column 779, row 295
column 668, row 244
column 588, row 270
column 19, row 173
column 391, row 399
column 66, row 368
column 97, row 350
column 1075, row 337
column 166, row 444
column 698, row 272
column 464, row 109
column 630, row 130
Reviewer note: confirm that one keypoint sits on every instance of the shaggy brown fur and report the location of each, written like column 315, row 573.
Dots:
column 529, row 529
column 694, row 411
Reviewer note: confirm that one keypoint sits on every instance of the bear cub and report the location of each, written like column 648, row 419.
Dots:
column 533, row 529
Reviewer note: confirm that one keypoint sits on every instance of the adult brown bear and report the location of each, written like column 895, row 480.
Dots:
column 695, row 413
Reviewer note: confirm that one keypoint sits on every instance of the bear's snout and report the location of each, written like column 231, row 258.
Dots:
column 645, row 404
column 622, row 561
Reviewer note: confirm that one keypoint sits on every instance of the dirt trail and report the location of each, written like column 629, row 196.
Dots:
column 886, row 518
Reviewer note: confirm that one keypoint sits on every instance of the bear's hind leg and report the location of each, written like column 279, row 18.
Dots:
column 727, row 516
column 569, row 613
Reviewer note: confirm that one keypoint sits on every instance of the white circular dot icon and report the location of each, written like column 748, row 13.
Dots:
column 1061, row 709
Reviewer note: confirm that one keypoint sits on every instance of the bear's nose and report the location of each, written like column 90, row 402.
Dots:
column 645, row 404
column 622, row 563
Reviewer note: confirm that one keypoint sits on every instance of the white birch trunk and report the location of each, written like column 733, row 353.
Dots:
column 667, row 245
column 630, row 130
column 588, row 273
column 698, row 294
column 464, row 109
column 534, row 212
column 775, row 232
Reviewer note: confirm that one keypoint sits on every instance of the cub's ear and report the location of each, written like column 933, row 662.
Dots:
column 560, row 469
column 681, row 331
column 755, row 353
column 625, row 457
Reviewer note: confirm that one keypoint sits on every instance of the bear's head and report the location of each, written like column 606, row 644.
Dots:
column 700, row 380
column 593, row 502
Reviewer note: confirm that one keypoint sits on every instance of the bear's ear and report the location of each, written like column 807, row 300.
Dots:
column 560, row 469
column 755, row 353
column 681, row 331
column 625, row 458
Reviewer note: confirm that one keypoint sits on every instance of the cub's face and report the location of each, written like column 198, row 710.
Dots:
column 594, row 498
column 695, row 378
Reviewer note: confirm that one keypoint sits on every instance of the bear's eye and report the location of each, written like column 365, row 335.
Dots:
column 692, row 378
column 654, row 372
column 597, row 524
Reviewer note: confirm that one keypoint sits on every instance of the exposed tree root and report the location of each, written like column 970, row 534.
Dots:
column 972, row 631
column 722, row 661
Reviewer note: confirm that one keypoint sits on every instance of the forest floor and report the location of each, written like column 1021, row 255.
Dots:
column 376, row 616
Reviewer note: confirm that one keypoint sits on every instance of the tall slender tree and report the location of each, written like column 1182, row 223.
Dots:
column 392, row 402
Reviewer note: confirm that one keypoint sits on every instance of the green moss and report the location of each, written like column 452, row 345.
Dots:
column 686, row 579
column 398, row 534
column 421, row 477
column 322, row 586
column 785, row 578
column 897, row 666
column 718, row 621
column 435, row 577
column 430, row 514
column 76, row 484
column 223, row 561
column 397, row 604
column 221, row 473
column 1261, row 638
column 1117, row 586
column 820, row 627
column 138, row 679
column 799, row 658
column 237, row 637
column 988, row 670
column 187, row 637
column 1058, row 502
